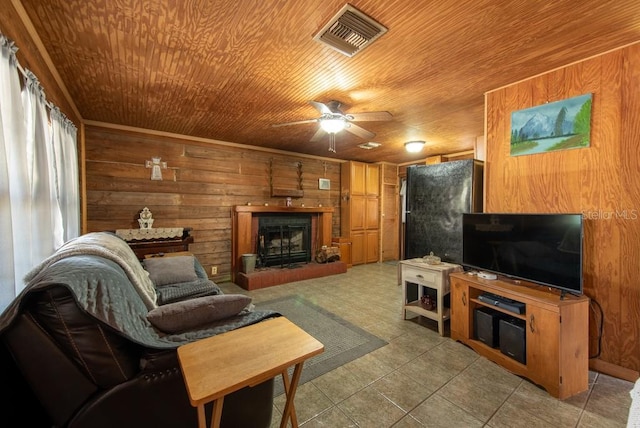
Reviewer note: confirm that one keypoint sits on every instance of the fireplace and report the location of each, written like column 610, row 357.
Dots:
column 245, row 227
column 284, row 239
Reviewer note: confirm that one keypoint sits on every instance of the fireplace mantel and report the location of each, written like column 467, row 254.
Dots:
column 269, row 209
column 242, row 234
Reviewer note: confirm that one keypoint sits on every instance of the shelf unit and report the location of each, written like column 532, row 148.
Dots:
column 556, row 336
column 436, row 277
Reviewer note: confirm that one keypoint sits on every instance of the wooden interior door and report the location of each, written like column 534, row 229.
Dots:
column 358, row 178
column 372, row 254
column 358, row 248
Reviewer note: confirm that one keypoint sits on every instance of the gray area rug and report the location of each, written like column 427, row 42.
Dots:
column 343, row 341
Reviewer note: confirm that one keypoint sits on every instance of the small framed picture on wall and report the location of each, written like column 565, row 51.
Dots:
column 324, row 184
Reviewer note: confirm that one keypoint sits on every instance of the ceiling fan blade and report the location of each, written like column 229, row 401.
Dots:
column 371, row 116
column 360, row 132
column 318, row 135
column 322, row 108
column 298, row 122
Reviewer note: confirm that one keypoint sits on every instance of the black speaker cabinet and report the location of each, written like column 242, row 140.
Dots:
column 485, row 326
column 512, row 339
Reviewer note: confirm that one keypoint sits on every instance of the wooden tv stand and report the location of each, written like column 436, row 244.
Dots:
column 556, row 331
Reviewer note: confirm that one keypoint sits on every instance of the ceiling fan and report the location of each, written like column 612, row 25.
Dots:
column 333, row 120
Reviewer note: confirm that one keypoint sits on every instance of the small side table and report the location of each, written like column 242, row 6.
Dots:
column 436, row 277
column 219, row 365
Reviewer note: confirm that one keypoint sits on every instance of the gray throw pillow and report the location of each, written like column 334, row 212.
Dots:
column 191, row 313
column 170, row 270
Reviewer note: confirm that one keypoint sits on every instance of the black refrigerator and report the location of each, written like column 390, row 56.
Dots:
column 436, row 197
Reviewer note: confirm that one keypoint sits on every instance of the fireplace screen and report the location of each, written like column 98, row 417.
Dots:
column 284, row 240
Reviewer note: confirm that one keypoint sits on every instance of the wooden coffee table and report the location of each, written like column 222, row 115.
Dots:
column 219, row 365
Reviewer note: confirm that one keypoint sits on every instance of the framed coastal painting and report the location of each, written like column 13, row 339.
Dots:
column 560, row 125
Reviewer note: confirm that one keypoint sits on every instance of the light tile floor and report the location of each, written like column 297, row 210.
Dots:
column 421, row 379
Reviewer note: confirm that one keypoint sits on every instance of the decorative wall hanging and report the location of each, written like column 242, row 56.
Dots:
column 282, row 188
column 156, row 168
column 553, row 126
column 324, row 184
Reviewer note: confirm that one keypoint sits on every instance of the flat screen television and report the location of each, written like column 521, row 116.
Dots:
column 545, row 249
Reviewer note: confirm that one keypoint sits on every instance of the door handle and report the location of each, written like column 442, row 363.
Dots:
column 531, row 323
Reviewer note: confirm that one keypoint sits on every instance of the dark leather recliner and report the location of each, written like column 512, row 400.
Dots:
column 71, row 370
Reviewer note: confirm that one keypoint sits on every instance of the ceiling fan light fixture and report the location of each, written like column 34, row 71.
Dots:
column 414, row 146
column 333, row 125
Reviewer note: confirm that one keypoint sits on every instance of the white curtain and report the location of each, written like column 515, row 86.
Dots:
column 15, row 218
column 39, row 204
column 63, row 140
column 46, row 221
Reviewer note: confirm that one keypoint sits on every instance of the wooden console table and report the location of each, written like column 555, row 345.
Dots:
column 143, row 247
column 219, row 365
column 556, row 335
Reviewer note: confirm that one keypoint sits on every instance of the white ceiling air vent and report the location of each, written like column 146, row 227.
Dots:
column 350, row 31
column 369, row 145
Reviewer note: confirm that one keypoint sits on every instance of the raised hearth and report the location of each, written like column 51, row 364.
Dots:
column 268, row 277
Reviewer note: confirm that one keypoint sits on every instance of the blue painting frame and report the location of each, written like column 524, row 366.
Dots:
column 559, row 125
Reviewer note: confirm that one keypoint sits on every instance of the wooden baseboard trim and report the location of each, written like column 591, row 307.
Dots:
column 614, row 370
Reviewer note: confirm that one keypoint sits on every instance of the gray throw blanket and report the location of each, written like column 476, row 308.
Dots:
column 111, row 247
column 103, row 289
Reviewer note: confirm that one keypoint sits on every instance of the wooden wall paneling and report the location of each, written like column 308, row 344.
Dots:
column 492, row 170
column 600, row 181
column 630, row 210
column 591, row 199
column 202, row 183
column 499, row 188
column 603, row 241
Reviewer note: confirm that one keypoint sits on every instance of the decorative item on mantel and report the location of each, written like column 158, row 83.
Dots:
column 147, row 231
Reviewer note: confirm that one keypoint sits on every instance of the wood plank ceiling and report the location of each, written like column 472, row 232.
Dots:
column 228, row 70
